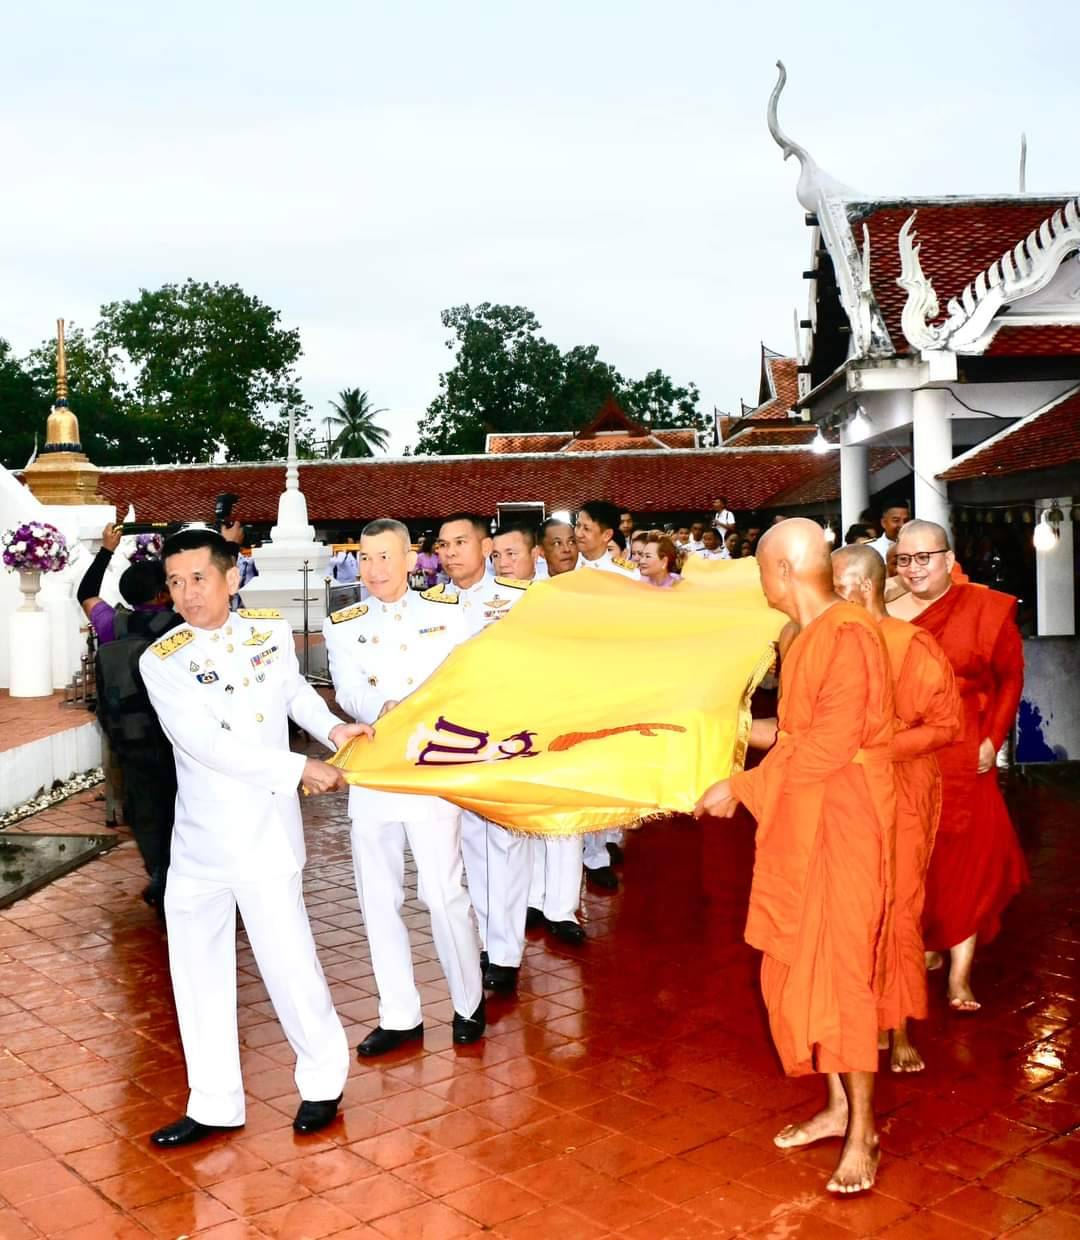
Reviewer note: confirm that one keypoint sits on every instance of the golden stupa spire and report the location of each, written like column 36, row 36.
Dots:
column 61, row 365
column 62, row 428
column 61, row 474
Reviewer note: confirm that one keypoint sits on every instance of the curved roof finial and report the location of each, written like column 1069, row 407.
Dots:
column 813, row 182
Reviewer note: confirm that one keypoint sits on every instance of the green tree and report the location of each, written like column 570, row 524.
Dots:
column 212, row 372
column 20, row 413
column 506, row 377
column 359, row 433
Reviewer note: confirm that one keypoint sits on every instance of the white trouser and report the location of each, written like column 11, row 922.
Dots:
column 497, row 871
column 596, row 853
column 555, row 882
column 379, row 862
column 201, row 918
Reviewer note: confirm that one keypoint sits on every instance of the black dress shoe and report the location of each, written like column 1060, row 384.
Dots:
column 603, row 877
column 311, row 1116
column 501, row 977
column 615, row 852
column 186, row 1131
column 534, row 918
column 381, row 1040
column 470, row 1028
column 568, row 931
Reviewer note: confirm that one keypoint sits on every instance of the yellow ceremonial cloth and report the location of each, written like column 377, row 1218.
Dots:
column 596, row 702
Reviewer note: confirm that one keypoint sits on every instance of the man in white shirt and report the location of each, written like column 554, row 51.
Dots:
column 345, row 567
column 724, row 518
column 379, row 652
column 711, row 547
column 496, row 860
column 596, row 520
column 893, row 520
column 694, row 542
column 224, row 686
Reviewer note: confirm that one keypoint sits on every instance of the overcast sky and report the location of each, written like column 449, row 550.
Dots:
column 361, row 166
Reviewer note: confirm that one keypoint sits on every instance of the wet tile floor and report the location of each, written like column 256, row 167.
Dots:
column 629, row 1089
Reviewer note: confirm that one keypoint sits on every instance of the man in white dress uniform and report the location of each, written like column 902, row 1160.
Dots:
column 595, row 522
column 496, row 860
column 380, row 651
column 224, row 686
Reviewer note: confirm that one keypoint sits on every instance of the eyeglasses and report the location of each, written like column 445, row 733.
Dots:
column 922, row 558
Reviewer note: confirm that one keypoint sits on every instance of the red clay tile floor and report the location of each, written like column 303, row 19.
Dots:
column 629, row 1090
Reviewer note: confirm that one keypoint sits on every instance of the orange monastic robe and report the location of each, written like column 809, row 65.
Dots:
column 929, row 715
column 824, row 802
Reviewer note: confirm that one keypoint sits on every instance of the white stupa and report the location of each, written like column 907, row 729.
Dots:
column 281, row 560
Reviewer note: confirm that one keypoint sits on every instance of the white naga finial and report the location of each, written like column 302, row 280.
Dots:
column 1023, row 164
column 813, row 182
column 922, row 300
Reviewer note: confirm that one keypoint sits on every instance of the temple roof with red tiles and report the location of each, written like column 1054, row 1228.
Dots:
column 1041, row 340
column 604, row 441
column 958, row 239
column 749, row 435
column 1048, row 439
column 779, row 388
column 416, row 488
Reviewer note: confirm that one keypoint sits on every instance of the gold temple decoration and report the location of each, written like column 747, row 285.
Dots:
column 62, row 474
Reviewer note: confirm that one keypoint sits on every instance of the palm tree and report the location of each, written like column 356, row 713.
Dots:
column 359, row 433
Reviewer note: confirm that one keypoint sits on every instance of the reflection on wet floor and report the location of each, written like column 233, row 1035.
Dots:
column 30, row 861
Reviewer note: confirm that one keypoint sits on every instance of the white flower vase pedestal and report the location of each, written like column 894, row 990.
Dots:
column 30, row 642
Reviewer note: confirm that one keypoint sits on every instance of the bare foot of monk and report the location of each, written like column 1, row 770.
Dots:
column 934, row 960
column 857, row 1168
column 961, row 999
column 904, row 1057
column 831, row 1122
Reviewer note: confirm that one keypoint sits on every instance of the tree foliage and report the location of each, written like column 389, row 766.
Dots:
column 190, row 372
column 358, row 433
column 507, row 378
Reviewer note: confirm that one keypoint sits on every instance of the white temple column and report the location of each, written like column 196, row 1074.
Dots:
column 854, row 482
column 1055, row 586
column 931, row 434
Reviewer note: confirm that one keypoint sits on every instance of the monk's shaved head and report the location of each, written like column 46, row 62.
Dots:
column 925, row 531
column 793, row 558
column 859, row 575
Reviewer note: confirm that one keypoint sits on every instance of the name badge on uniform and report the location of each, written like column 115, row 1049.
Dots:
column 434, row 628
column 206, row 678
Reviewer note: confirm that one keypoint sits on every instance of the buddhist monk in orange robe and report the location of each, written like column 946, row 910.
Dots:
column 823, row 799
column 928, row 716
column 977, row 866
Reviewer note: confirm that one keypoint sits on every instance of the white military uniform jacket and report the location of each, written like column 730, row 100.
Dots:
column 608, row 563
column 224, row 698
column 379, row 653
column 487, row 601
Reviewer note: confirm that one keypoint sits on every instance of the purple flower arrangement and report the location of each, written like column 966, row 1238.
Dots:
column 147, row 547
column 34, row 546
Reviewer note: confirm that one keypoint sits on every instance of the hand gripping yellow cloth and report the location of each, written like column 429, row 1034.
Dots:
column 596, row 702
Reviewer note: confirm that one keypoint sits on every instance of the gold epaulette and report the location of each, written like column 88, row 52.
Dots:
column 259, row 613
column 629, row 565
column 172, row 642
column 348, row 613
column 437, row 594
column 513, row 583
